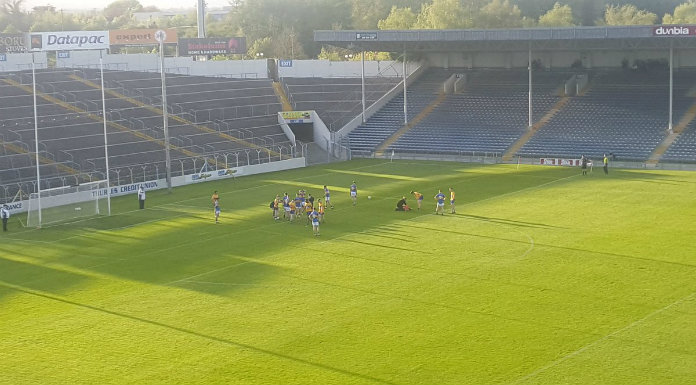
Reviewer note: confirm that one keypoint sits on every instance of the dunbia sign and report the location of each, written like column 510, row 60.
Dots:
column 674, row 30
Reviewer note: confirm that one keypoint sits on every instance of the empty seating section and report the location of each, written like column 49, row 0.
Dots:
column 246, row 104
column 623, row 112
column 336, row 100
column 684, row 148
column 245, row 109
column 489, row 116
column 365, row 138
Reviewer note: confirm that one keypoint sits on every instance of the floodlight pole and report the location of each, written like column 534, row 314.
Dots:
column 36, row 137
column 405, row 97
column 362, row 74
column 201, row 18
column 165, row 114
column 531, row 106
column 106, row 141
column 671, row 85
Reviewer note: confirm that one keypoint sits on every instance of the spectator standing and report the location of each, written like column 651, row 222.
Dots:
column 606, row 165
column 5, row 214
column 141, row 197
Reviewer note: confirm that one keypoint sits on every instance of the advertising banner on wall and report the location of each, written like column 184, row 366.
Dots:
column 140, row 37
column 560, row 162
column 13, row 43
column 69, row 40
column 674, row 30
column 297, row 116
column 212, row 46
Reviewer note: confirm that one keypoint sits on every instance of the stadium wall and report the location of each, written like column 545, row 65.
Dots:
column 22, row 61
column 556, row 59
column 177, row 181
column 338, row 69
column 248, row 69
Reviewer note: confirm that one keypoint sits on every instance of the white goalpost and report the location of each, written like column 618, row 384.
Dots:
column 67, row 203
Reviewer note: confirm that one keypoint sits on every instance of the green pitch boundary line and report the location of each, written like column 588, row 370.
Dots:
column 239, row 345
column 602, row 339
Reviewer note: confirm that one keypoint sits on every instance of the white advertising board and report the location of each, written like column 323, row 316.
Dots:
column 69, row 40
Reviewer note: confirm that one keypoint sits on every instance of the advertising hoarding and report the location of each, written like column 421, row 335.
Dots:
column 212, row 46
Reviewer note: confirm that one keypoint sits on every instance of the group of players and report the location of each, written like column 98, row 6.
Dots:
column 439, row 199
column 304, row 204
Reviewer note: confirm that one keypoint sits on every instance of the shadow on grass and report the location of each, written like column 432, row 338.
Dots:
column 537, row 244
column 38, row 277
column 240, row 345
column 386, row 246
column 170, row 242
column 243, row 275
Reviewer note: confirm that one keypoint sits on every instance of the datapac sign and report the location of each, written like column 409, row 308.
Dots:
column 674, row 30
column 69, row 40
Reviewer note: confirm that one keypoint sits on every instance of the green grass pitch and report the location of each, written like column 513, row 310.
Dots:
column 543, row 276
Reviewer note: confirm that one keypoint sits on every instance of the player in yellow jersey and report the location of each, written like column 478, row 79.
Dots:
column 451, row 190
column 276, row 206
column 320, row 210
column 215, row 199
column 419, row 198
column 308, row 207
column 292, row 211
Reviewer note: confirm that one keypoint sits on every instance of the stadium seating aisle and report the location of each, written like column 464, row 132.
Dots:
column 336, row 100
column 365, row 138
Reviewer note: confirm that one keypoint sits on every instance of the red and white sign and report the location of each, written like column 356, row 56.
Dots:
column 560, row 162
column 674, row 30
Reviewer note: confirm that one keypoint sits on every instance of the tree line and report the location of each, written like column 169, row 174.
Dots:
column 284, row 28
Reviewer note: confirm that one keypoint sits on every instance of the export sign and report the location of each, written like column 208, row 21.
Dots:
column 69, row 40
column 13, row 43
column 140, row 37
column 212, row 46
column 674, row 30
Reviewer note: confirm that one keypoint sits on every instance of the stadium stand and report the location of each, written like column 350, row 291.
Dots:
column 624, row 113
column 365, row 138
column 211, row 119
column 487, row 117
column 336, row 100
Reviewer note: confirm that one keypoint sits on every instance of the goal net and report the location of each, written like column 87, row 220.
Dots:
column 67, row 203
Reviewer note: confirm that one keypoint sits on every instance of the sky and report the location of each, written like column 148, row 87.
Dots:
column 101, row 4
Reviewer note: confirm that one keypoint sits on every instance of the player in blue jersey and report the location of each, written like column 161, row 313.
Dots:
column 440, row 198
column 354, row 193
column 217, row 210
column 327, row 197
column 315, row 222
